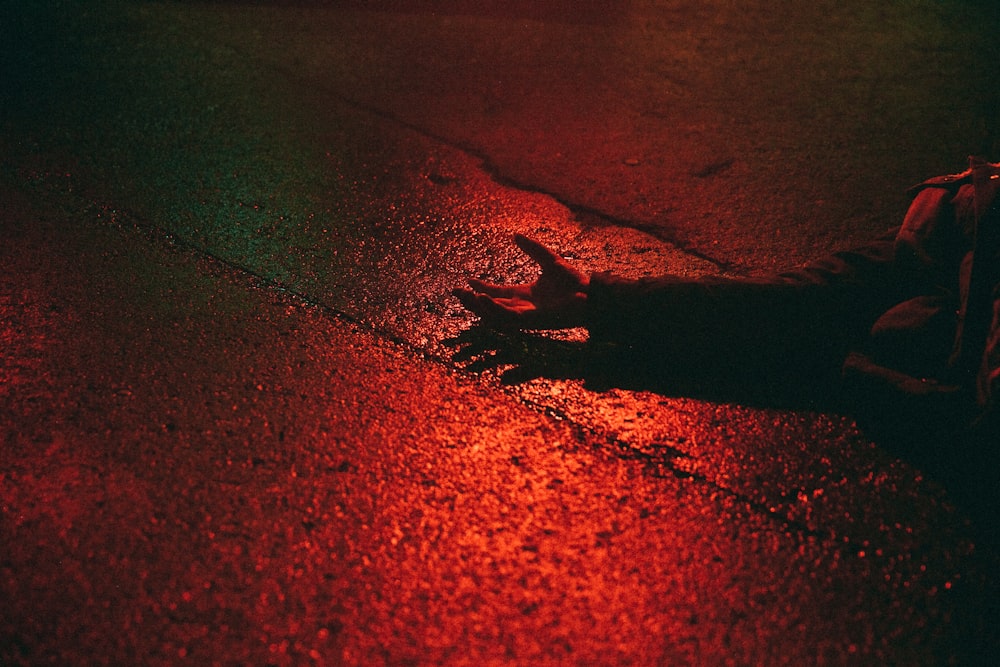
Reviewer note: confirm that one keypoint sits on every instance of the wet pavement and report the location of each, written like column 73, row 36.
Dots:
column 245, row 423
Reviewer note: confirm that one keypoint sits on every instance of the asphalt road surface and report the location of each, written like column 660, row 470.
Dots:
column 244, row 422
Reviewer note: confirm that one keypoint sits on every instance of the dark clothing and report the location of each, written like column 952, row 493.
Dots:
column 912, row 315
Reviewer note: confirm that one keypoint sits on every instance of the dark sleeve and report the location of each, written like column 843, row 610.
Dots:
column 804, row 320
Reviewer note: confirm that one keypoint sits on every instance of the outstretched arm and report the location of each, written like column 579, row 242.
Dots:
column 556, row 300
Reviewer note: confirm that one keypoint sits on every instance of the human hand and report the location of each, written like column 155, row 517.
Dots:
column 556, row 300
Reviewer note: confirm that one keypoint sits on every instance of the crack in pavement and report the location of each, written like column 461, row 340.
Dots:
column 585, row 214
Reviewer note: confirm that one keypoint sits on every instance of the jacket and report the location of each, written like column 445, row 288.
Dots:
column 911, row 319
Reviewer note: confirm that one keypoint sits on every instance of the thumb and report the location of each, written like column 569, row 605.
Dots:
column 545, row 257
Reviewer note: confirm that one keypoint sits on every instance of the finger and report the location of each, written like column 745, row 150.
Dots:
column 480, row 304
column 496, row 290
column 545, row 257
column 496, row 311
column 466, row 297
column 513, row 306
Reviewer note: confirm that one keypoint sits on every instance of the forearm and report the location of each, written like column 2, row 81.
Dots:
column 810, row 315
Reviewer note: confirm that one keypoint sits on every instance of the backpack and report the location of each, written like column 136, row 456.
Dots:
column 968, row 393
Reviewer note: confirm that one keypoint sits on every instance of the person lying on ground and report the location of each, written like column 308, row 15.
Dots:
column 911, row 319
